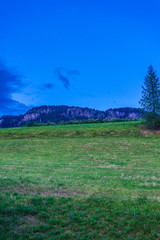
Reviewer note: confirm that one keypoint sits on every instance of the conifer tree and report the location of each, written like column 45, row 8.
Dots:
column 150, row 99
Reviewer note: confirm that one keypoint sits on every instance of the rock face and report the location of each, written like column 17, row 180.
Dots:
column 56, row 114
column 127, row 113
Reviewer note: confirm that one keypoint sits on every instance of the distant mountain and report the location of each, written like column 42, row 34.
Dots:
column 44, row 114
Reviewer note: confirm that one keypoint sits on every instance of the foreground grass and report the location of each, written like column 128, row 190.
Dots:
column 93, row 181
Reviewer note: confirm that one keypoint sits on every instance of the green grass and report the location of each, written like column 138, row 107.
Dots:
column 90, row 181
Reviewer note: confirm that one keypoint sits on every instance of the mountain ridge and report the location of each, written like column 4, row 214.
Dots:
column 58, row 113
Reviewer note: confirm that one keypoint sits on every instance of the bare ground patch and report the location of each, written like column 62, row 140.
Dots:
column 43, row 192
column 147, row 132
column 109, row 166
column 60, row 193
column 69, row 134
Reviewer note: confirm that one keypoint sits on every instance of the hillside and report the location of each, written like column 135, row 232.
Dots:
column 90, row 181
column 56, row 114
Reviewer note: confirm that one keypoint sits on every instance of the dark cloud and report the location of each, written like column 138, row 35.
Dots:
column 48, row 86
column 64, row 75
column 12, row 107
column 10, row 82
column 61, row 74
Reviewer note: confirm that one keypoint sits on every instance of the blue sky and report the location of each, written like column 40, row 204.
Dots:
column 76, row 52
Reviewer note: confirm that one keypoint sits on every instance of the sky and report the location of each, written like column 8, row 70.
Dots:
column 76, row 52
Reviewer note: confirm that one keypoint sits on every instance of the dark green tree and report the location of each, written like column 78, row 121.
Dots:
column 150, row 99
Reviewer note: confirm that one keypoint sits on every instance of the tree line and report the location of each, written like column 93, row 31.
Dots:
column 85, row 121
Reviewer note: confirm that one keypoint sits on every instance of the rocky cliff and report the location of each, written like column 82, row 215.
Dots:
column 56, row 114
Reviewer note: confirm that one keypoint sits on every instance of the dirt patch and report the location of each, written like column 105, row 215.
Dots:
column 88, row 145
column 60, row 193
column 109, row 166
column 111, row 133
column 147, row 132
column 43, row 192
column 25, row 190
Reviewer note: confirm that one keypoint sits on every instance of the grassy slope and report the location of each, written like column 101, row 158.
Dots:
column 93, row 181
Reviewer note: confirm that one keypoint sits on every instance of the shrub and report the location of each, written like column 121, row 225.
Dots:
column 152, row 121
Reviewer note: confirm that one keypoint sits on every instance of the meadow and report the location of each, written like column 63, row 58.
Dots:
column 89, row 181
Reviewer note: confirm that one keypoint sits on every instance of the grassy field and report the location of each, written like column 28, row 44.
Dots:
column 93, row 181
